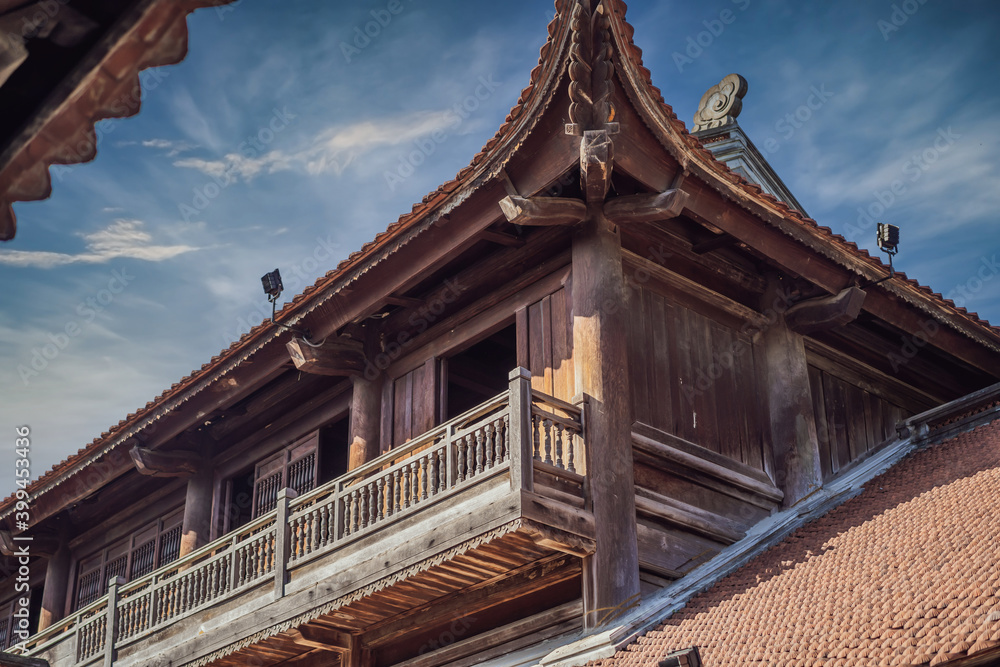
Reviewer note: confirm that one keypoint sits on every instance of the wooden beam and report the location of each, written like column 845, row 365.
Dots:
column 404, row 301
column 826, row 312
column 543, row 211
column 632, row 209
column 325, row 639
column 600, row 364
column 474, row 599
column 503, row 239
column 596, row 155
column 39, row 545
column 720, row 241
column 165, row 464
column 11, row 660
column 342, row 357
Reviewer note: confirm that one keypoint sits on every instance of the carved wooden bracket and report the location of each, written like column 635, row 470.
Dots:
column 590, row 70
column 41, row 544
column 341, row 357
column 645, row 208
column 324, row 639
column 166, row 464
column 543, row 211
column 825, row 312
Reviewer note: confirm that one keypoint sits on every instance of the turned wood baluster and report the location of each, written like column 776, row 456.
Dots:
column 460, row 458
column 363, row 510
column 390, row 496
column 480, row 452
column 373, row 503
column 381, row 498
column 397, row 491
column 572, row 451
column 423, row 477
column 442, row 470
column 536, row 446
column 406, row 485
column 548, row 440
column 506, row 437
column 559, row 446
column 324, row 525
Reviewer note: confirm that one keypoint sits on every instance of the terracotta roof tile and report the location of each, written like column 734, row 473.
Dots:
column 904, row 574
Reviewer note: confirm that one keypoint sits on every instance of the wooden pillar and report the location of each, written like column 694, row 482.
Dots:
column 366, row 417
column 56, row 586
column 793, row 424
column 600, row 360
column 197, row 523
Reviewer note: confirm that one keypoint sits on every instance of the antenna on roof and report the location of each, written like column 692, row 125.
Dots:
column 272, row 288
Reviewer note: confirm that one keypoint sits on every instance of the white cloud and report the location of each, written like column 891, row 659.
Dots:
column 173, row 148
column 332, row 150
column 123, row 238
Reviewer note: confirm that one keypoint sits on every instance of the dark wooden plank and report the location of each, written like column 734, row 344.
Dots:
column 637, row 358
column 823, row 434
column 727, row 412
column 537, row 353
column 563, row 382
column 523, row 337
column 836, row 416
column 856, row 429
column 547, row 366
column 660, row 376
column 757, row 420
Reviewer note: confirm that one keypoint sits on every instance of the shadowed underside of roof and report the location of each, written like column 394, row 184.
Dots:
column 906, row 573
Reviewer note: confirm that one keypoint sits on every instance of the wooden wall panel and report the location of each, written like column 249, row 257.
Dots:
column 695, row 378
column 549, row 345
column 414, row 402
column 850, row 421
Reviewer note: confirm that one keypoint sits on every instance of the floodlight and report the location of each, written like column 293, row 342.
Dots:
column 272, row 285
column 888, row 239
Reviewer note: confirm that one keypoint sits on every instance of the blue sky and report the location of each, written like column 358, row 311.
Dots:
column 278, row 143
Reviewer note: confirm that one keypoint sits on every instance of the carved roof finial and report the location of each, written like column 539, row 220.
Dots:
column 721, row 104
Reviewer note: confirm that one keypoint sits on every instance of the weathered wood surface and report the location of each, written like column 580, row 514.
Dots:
column 826, row 312
column 732, row 474
column 543, row 211
column 601, row 367
column 340, row 357
column 166, row 464
column 793, row 424
column 366, row 419
column 645, row 208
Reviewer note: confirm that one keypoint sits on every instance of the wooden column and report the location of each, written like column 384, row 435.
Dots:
column 197, row 523
column 56, row 586
column 599, row 357
column 793, row 425
column 366, row 416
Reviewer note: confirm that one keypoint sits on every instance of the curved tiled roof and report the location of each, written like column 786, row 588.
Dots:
column 105, row 85
column 906, row 573
column 533, row 99
column 533, row 95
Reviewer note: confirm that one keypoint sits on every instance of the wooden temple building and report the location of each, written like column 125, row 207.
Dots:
column 568, row 382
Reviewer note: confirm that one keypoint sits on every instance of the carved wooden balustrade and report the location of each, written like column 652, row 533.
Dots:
column 517, row 430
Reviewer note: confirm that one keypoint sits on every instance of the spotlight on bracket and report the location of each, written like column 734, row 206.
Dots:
column 272, row 285
column 887, row 238
column 271, row 282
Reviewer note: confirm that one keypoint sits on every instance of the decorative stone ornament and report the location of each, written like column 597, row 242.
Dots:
column 721, row 104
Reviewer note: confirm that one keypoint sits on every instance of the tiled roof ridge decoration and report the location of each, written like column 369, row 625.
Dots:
column 151, row 34
column 484, row 166
column 721, row 104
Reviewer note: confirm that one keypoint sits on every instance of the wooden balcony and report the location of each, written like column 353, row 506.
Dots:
column 492, row 495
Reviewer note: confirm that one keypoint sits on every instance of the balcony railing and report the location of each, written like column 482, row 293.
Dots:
column 510, row 432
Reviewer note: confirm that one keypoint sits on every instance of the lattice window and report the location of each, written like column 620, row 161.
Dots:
column 153, row 546
column 294, row 467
